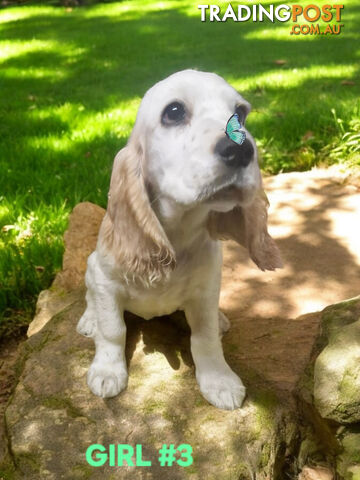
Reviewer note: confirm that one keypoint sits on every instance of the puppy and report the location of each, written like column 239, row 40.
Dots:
column 177, row 187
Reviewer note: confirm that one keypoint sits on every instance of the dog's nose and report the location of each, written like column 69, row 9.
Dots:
column 234, row 155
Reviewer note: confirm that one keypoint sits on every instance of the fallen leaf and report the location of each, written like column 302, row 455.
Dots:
column 280, row 62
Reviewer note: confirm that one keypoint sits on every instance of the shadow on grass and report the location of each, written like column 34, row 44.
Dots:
column 119, row 59
column 57, row 146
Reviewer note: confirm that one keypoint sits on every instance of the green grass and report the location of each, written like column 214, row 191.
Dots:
column 70, row 85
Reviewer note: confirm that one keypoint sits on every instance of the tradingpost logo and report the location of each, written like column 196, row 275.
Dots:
column 312, row 13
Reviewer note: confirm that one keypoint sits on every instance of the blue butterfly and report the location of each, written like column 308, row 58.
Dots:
column 233, row 130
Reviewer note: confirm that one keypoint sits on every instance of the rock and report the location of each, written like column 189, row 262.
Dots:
column 337, row 368
column 80, row 240
column 348, row 462
column 53, row 418
column 49, row 303
column 330, row 386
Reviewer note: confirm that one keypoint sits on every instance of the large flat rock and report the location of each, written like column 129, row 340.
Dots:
column 53, row 417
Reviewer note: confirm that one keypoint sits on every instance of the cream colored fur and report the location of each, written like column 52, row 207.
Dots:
column 171, row 199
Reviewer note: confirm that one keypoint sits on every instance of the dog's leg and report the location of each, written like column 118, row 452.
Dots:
column 103, row 321
column 218, row 383
column 224, row 323
column 107, row 375
column 87, row 323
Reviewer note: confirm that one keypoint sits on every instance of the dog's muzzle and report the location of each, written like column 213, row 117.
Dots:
column 232, row 154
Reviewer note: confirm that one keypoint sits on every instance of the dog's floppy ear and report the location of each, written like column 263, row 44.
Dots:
column 131, row 232
column 248, row 227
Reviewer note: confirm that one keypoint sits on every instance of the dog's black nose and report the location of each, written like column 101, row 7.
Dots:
column 234, row 155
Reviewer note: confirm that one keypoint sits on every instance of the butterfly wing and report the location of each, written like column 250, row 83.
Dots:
column 233, row 124
column 233, row 130
column 237, row 137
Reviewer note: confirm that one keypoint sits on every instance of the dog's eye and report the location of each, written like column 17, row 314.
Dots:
column 242, row 112
column 173, row 114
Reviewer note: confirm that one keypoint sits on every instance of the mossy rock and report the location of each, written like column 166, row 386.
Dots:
column 330, row 388
column 348, row 462
column 53, row 418
column 337, row 367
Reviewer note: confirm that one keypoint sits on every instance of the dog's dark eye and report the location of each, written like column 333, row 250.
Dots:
column 173, row 114
column 242, row 111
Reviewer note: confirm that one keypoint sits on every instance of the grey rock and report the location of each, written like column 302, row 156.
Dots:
column 53, row 418
column 330, row 387
column 337, row 368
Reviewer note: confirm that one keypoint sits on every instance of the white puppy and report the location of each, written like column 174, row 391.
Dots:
column 178, row 186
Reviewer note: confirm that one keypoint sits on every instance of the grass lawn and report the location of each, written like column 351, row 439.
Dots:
column 70, row 84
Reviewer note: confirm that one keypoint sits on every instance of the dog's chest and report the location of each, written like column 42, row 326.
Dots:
column 152, row 302
column 187, row 282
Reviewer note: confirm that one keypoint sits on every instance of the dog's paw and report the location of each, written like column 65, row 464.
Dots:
column 224, row 323
column 224, row 391
column 107, row 380
column 86, row 325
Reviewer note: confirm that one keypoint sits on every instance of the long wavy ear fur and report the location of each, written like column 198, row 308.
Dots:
column 131, row 232
column 248, row 227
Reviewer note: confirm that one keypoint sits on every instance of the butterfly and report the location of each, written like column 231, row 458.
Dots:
column 233, row 130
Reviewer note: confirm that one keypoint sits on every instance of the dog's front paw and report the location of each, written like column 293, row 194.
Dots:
column 107, row 380
column 86, row 325
column 224, row 391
